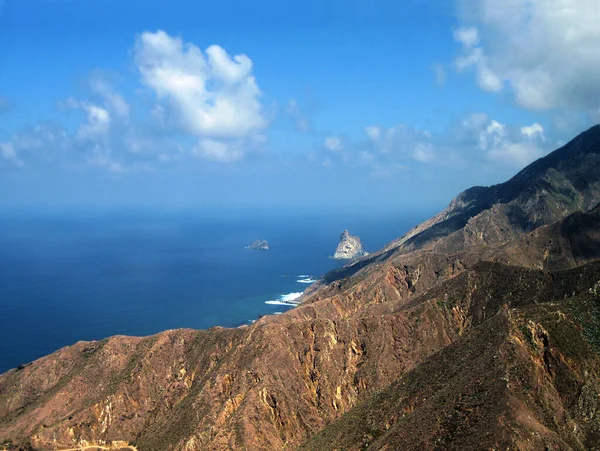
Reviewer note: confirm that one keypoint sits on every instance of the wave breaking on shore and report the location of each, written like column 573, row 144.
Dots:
column 289, row 299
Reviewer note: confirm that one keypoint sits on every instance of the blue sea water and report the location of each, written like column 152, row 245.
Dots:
column 73, row 276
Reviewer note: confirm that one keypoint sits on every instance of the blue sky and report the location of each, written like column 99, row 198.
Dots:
column 354, row 104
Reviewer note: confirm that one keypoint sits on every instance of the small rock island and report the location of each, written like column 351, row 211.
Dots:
column 349, row 247
column 259, row 245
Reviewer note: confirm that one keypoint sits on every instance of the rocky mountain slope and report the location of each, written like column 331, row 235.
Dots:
column 561, row 183
column 524, row 373
column 477, row 330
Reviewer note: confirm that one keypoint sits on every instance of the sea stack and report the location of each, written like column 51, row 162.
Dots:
column 259, row 245
column 349, row 247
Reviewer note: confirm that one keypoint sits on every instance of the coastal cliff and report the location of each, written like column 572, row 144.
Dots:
column 349, row 247
column 476, row 330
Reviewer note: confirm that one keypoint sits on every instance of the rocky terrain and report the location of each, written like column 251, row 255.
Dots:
column 349, row 247
column 479, row 329
column 259, row 245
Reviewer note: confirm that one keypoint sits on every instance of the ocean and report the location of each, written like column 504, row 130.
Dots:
column 71, row 276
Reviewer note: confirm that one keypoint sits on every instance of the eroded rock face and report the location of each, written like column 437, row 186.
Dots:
column 350, row 247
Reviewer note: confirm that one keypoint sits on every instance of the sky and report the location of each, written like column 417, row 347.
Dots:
column 361, row 104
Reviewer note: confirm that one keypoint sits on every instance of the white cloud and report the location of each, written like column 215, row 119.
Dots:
column 98, row 121
column 423, row 153
column 547, row 52
column 535, row 130
column 492, row 136
column 486, row 78
column 373, row 132
column 476, row 141
column 515, row 154
column 113, row 100
column 211, row 95
column 218, row 151
column 467, row 36
column 333, row 144
column 515, row 148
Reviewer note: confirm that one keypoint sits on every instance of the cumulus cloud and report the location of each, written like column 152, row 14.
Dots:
column 475, row 142
column 333, row 144
column 44, row 142
column 468, row 36
column 475, row 57
column 205, row 105
column 113, row 100
column 98, row 118
column 533, row 131
column 517, row 147
column 103, row 138
column 546, row 52
column 211, row 94
column 98, row 121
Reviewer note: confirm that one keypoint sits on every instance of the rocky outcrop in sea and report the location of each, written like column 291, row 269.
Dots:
column 349, row 247
column 259, row 245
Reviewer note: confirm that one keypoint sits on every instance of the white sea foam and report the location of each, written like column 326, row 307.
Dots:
column 286, row 299
column 292, row 304
column 290, row 297
column 306, row 280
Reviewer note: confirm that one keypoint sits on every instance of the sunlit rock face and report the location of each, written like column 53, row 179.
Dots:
column 349, row 247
